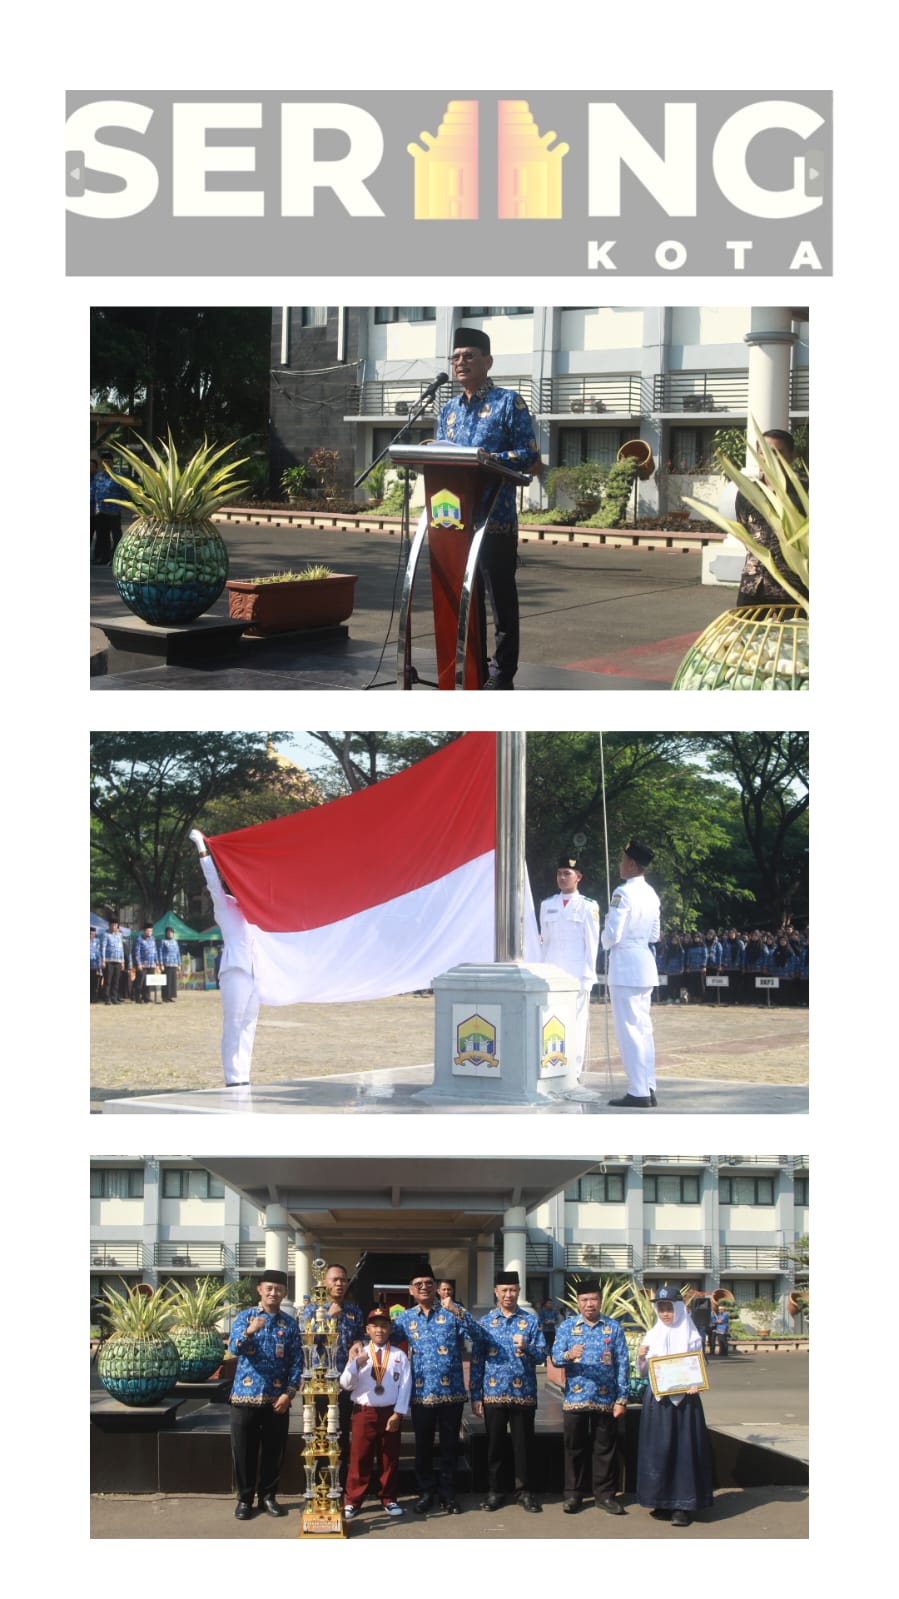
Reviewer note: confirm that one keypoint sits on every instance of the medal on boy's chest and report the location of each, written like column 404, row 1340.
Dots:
column 379, row 1359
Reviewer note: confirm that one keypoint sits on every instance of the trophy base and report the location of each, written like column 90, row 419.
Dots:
column 322, row 1523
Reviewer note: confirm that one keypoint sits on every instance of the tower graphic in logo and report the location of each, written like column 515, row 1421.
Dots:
column 529, row 186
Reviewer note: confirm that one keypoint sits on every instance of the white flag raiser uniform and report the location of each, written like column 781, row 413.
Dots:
column 633, row 923
column 569, row 929
column 237, row 982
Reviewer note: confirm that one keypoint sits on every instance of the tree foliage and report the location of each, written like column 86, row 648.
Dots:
column 366, row 758
column 194, row 370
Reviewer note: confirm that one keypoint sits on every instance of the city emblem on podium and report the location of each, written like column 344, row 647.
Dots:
column 553, row 1058
column 446, row 509
column 476, row 1043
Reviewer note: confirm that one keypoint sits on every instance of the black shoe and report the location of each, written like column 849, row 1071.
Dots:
column 612, row 1507
column 680, row 1518
column 451, row 1507
column 528, row 1502
column 571, row 1506
column 498, row 682
column 243, row 1510
column 423, row 1504
column 633, row 1101
column 652, row 1098
column 494, row 1502
column 271, row 1507
column 660, row 1515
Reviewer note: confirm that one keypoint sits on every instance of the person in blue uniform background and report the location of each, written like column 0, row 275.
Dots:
column 504, row 1391
column 496, row 420
column 436, row 1338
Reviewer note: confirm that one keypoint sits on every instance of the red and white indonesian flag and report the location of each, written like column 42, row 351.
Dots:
column 377, row 893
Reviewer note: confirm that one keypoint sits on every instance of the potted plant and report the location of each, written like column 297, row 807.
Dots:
column 193, row 1330
column 171, row 564
column 137, row 1363
column 763, row 1312
column 760, row 646
column 285, row 602
column 295, row 482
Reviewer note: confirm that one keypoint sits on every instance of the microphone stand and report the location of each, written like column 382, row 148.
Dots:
column 426, row 398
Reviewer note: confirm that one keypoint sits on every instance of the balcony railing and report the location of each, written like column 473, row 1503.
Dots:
column 677, row 1257
column 676, row 1160
column 593, row 394
column 396, row 398
column 117, row 1257
column 251, row 1256
column 701, row 392
column 599, row 1257
column 799, row 389
column 188, row 1257
column 754, row 1258
column 727, row 1163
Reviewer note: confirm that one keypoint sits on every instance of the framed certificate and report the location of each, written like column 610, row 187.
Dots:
column 676, row 1374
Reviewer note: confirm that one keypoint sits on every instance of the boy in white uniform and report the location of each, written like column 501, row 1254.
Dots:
column 633, row 923
column 569, row 930
column 380, row 1382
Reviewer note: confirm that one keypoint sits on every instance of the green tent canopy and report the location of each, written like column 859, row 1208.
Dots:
column 183, row 933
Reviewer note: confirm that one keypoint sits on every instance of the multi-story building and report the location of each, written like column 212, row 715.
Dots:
column 728, row 1221
column 593, row 377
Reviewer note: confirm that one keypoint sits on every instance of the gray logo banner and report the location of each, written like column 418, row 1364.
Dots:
column 719, row 183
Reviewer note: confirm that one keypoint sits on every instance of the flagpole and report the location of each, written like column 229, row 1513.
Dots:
column 510, row 821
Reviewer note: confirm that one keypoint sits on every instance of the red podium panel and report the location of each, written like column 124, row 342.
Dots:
column 456, row 479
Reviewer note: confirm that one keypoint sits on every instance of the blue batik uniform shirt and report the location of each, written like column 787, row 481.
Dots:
column 601, row 1377
column 169, row 952
column 499, row 1376
column 96, row 952
column 113, row 946
column 350, row 1330
column 498, row 421
column 269, row 1362
column 436, row 1340
column 144, row 951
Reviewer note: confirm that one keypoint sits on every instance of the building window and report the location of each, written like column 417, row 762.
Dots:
column 692, row 450
column 800, row 1191
column 671, row 1190
column 746, row 1190
column 497, row 310
column 180, row 1183
column 405, row 313
column 602, row 1188
column 746, row 1288
column 313, row 316
column 598, row 445
column 115, row 1183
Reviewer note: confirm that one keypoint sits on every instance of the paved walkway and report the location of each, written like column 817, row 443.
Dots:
column 737, row 1513
column 378, row 1055
column 592, row 616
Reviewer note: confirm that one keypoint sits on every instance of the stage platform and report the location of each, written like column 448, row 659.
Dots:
column 396, row 1091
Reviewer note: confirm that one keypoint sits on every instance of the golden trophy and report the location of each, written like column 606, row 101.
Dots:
column 322, row 1513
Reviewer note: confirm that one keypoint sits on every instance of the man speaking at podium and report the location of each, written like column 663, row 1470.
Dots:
column 496, row 420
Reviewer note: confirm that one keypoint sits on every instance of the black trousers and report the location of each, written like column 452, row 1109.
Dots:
column 96, row 976
column 112, row 977
column 258, row 1443
column 428, row 1420
column 590, row 1439
column 171, row 983
column 497, row 566
column 510, row 1441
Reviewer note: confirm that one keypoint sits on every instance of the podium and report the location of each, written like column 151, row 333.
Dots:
column 461, row 486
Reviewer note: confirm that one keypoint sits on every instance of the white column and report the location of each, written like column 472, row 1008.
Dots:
column 484, row 1292
column 515, row 1239
column 770, row 340
column 276, row 1230
column 303, row 1257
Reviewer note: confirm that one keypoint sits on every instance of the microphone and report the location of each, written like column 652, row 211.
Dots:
column 431, row 390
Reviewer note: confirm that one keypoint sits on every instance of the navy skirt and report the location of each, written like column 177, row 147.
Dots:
column 674, row 1459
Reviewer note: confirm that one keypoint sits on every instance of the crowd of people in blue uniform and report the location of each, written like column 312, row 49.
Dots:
column 687, row 959
column 120, row 964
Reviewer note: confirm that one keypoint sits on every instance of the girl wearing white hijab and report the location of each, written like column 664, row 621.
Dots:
column 674, row 1460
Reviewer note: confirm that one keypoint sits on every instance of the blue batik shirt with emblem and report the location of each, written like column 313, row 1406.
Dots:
column 498, row 421
column 144, row 951
column 269, row 1362
column 113, row 946
column 601, row 1377
column 96, row 950
column 436, row 1341
column 350, row 1330
column 498, row 1375
column 169, row 952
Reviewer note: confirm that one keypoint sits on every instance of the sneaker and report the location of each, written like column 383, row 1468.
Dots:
column 392, row 1508
column 349, row 1511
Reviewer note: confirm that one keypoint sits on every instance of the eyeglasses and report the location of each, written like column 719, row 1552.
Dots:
column 464, row 355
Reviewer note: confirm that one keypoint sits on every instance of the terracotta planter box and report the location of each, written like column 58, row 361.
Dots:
column 285, row 607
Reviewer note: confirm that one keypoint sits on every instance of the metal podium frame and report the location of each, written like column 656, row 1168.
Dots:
column 429, row 456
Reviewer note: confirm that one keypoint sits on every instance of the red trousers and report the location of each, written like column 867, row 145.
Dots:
column 369, row 1434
